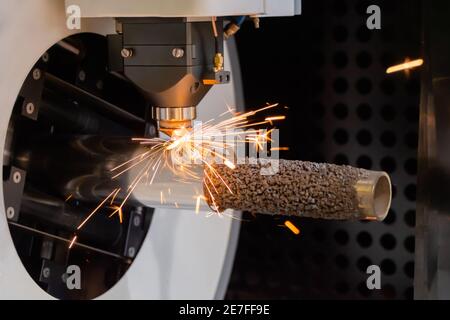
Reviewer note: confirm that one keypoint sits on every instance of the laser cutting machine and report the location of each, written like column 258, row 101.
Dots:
column 68, row 97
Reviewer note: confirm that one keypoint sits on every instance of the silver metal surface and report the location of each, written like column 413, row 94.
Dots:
column 175, row 114
column 432, row 268
column 186, row 8
column 168, row 8
column 374, row 194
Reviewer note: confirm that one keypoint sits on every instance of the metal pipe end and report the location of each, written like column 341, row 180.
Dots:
column 374, row 193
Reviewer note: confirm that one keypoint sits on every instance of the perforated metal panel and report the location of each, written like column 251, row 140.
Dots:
column 329, row 69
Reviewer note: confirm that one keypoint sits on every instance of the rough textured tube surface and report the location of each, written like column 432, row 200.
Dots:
column 301, row 189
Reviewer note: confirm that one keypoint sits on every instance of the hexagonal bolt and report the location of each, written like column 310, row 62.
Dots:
column 10, row 213
column 46, row 273
column 36, row 74
column 29, row 108
column 131, row 252
column 126, row 53
column 17, row 177
column 178, row 53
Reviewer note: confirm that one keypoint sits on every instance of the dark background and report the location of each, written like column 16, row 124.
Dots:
column 329, row 69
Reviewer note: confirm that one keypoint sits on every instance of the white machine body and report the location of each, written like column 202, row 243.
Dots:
column 184, row 256
column 185, row 8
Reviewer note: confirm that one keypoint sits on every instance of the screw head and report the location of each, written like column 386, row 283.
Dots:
column 45, row 57
column 17, row 177
column 137, row 221
column 29, row 108
column 151, row 130
column 99, row 85
column 131, row 252
column 178, row 53
column 46, row 273
column 10, row 213
column 82, row 75
column 36, row 74
column 126, row 53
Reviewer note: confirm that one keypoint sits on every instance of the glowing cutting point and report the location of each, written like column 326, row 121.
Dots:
column 292, row 227
column 230, row 164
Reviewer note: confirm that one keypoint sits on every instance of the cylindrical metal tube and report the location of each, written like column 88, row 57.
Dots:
column 302, row 189
column 169, row 190
column 296, row 188
column 299, row 188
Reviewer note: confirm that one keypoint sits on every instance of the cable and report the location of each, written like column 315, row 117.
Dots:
column 218, row 57
column 234, row 26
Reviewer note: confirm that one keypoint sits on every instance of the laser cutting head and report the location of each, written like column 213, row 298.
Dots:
column 170, row 119
column 174, row 61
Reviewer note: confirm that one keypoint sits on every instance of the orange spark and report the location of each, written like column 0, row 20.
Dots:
column 405, row 66
column 292, row 227
column 119, row 211
column 279, row 149
column 73, row 242
column 275, row 118
column 114, row 196
column 95, row 210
